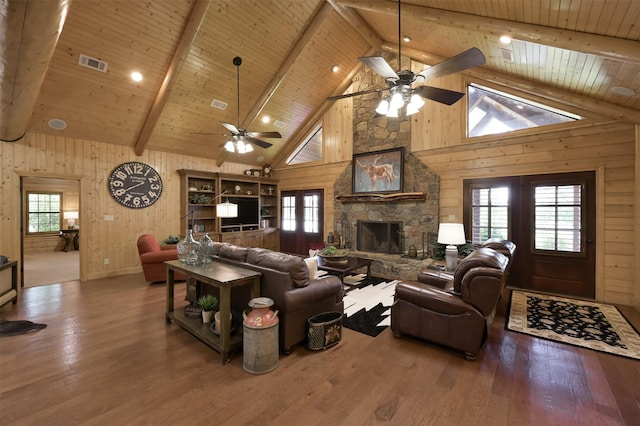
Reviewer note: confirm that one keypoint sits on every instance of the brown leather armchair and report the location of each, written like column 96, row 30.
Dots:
column 452, row 310
column 153, row 256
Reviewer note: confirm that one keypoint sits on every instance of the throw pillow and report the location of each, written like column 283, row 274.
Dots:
column 312, row 264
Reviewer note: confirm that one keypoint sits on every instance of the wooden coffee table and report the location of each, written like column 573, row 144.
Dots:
column 341, row 269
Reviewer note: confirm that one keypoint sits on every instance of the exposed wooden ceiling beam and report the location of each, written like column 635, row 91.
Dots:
column 198, row 13
column 283, row 70
column 367, row 33
column 357, row 23
column 603, row 46
column 285, row 67
column 29, row 31
column 561, row 96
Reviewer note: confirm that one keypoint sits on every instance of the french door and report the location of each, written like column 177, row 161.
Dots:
column 302, row 219
column 551, row 218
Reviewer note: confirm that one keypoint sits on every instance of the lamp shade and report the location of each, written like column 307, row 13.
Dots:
column 226, row 209
column 451, row 234
column 70, row 215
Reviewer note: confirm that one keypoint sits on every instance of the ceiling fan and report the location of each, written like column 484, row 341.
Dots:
column 242, row 139
column 405, row 99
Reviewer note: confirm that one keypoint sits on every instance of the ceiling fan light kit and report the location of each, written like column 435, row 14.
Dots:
column 241, row 140
column 403, row 99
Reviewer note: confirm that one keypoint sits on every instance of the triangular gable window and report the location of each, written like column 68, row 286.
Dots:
column 309, row 150
column 491, row 112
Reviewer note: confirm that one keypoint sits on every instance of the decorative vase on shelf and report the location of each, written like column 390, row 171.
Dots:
column 206, row 249
column 189, row 249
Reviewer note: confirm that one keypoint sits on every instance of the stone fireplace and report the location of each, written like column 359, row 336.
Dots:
column 379, row 236
column 419, row 218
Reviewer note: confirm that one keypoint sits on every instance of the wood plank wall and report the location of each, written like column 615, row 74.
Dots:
column 90, row 163
column 437, row 140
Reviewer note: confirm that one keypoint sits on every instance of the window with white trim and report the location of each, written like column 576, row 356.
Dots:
column 44, row 212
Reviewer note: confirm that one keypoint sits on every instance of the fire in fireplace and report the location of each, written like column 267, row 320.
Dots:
column 379, row 237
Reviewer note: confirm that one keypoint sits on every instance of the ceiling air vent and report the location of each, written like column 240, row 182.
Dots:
column 279, row 124
column 507, row 54
column 219, row 104
column 93, row 63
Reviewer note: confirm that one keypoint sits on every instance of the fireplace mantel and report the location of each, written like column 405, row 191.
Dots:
column 384, row 198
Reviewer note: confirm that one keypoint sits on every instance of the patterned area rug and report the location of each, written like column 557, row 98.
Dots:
column 587, row 324
column 367, row 304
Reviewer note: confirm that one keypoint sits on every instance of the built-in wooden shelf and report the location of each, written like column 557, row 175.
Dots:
column 388, row 198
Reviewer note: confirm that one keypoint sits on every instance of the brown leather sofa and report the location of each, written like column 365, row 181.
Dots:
column 285, row 280
column 153, row 256
column 453, row 310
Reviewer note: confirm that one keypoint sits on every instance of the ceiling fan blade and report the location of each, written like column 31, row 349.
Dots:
column 265, row 134
column 380, row 66
column 465, row 60
column 260, row 143
column 350, row 95
column 230, row 127
column 448, row 97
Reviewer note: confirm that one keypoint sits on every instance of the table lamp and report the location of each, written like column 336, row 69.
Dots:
column 451, row 234
column 70, row 217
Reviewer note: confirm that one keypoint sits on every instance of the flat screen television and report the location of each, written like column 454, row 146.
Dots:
column 248, row 212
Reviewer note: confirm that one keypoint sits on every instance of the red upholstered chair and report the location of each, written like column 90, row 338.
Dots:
column 153, row 256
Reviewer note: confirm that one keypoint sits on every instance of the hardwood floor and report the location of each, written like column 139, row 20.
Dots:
column 108, row 357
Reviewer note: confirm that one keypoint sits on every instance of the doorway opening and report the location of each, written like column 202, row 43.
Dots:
column 49, row 224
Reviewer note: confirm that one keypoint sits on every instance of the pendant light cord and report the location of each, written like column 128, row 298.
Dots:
column 399, row 38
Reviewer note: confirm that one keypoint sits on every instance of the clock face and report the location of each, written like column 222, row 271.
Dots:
column 135, row 185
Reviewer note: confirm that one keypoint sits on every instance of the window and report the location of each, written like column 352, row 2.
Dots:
column 489, row 213
column 311, row 217
column 309, row 150
column 558, row 213
column 491, row 112
column 289, row 213
column 43, row 211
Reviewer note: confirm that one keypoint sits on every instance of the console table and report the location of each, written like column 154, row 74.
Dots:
column 224, row 277
column 9, row 282
column 69, row 235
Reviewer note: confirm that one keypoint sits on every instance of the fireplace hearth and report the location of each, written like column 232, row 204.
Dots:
column 379, row 237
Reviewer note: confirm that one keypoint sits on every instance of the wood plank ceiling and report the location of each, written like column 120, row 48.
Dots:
column 569, row 51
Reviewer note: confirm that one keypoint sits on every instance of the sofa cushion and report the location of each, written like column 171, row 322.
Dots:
column 234, row 252
column 312, row 265
column 294, row 265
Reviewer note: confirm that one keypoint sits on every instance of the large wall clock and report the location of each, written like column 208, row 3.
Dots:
column 135, row 185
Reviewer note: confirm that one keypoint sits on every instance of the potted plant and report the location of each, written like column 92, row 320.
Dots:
column 208, row 303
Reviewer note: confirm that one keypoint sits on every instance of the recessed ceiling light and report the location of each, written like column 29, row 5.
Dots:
column 261, row 158
column 505, row 39
column 406, row 39
column 266, row 119
column 623, row 91
column 335, row 68
column 136, row 76
column 57, row 124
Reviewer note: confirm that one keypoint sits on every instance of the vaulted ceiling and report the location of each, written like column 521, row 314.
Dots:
column 573, row 52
